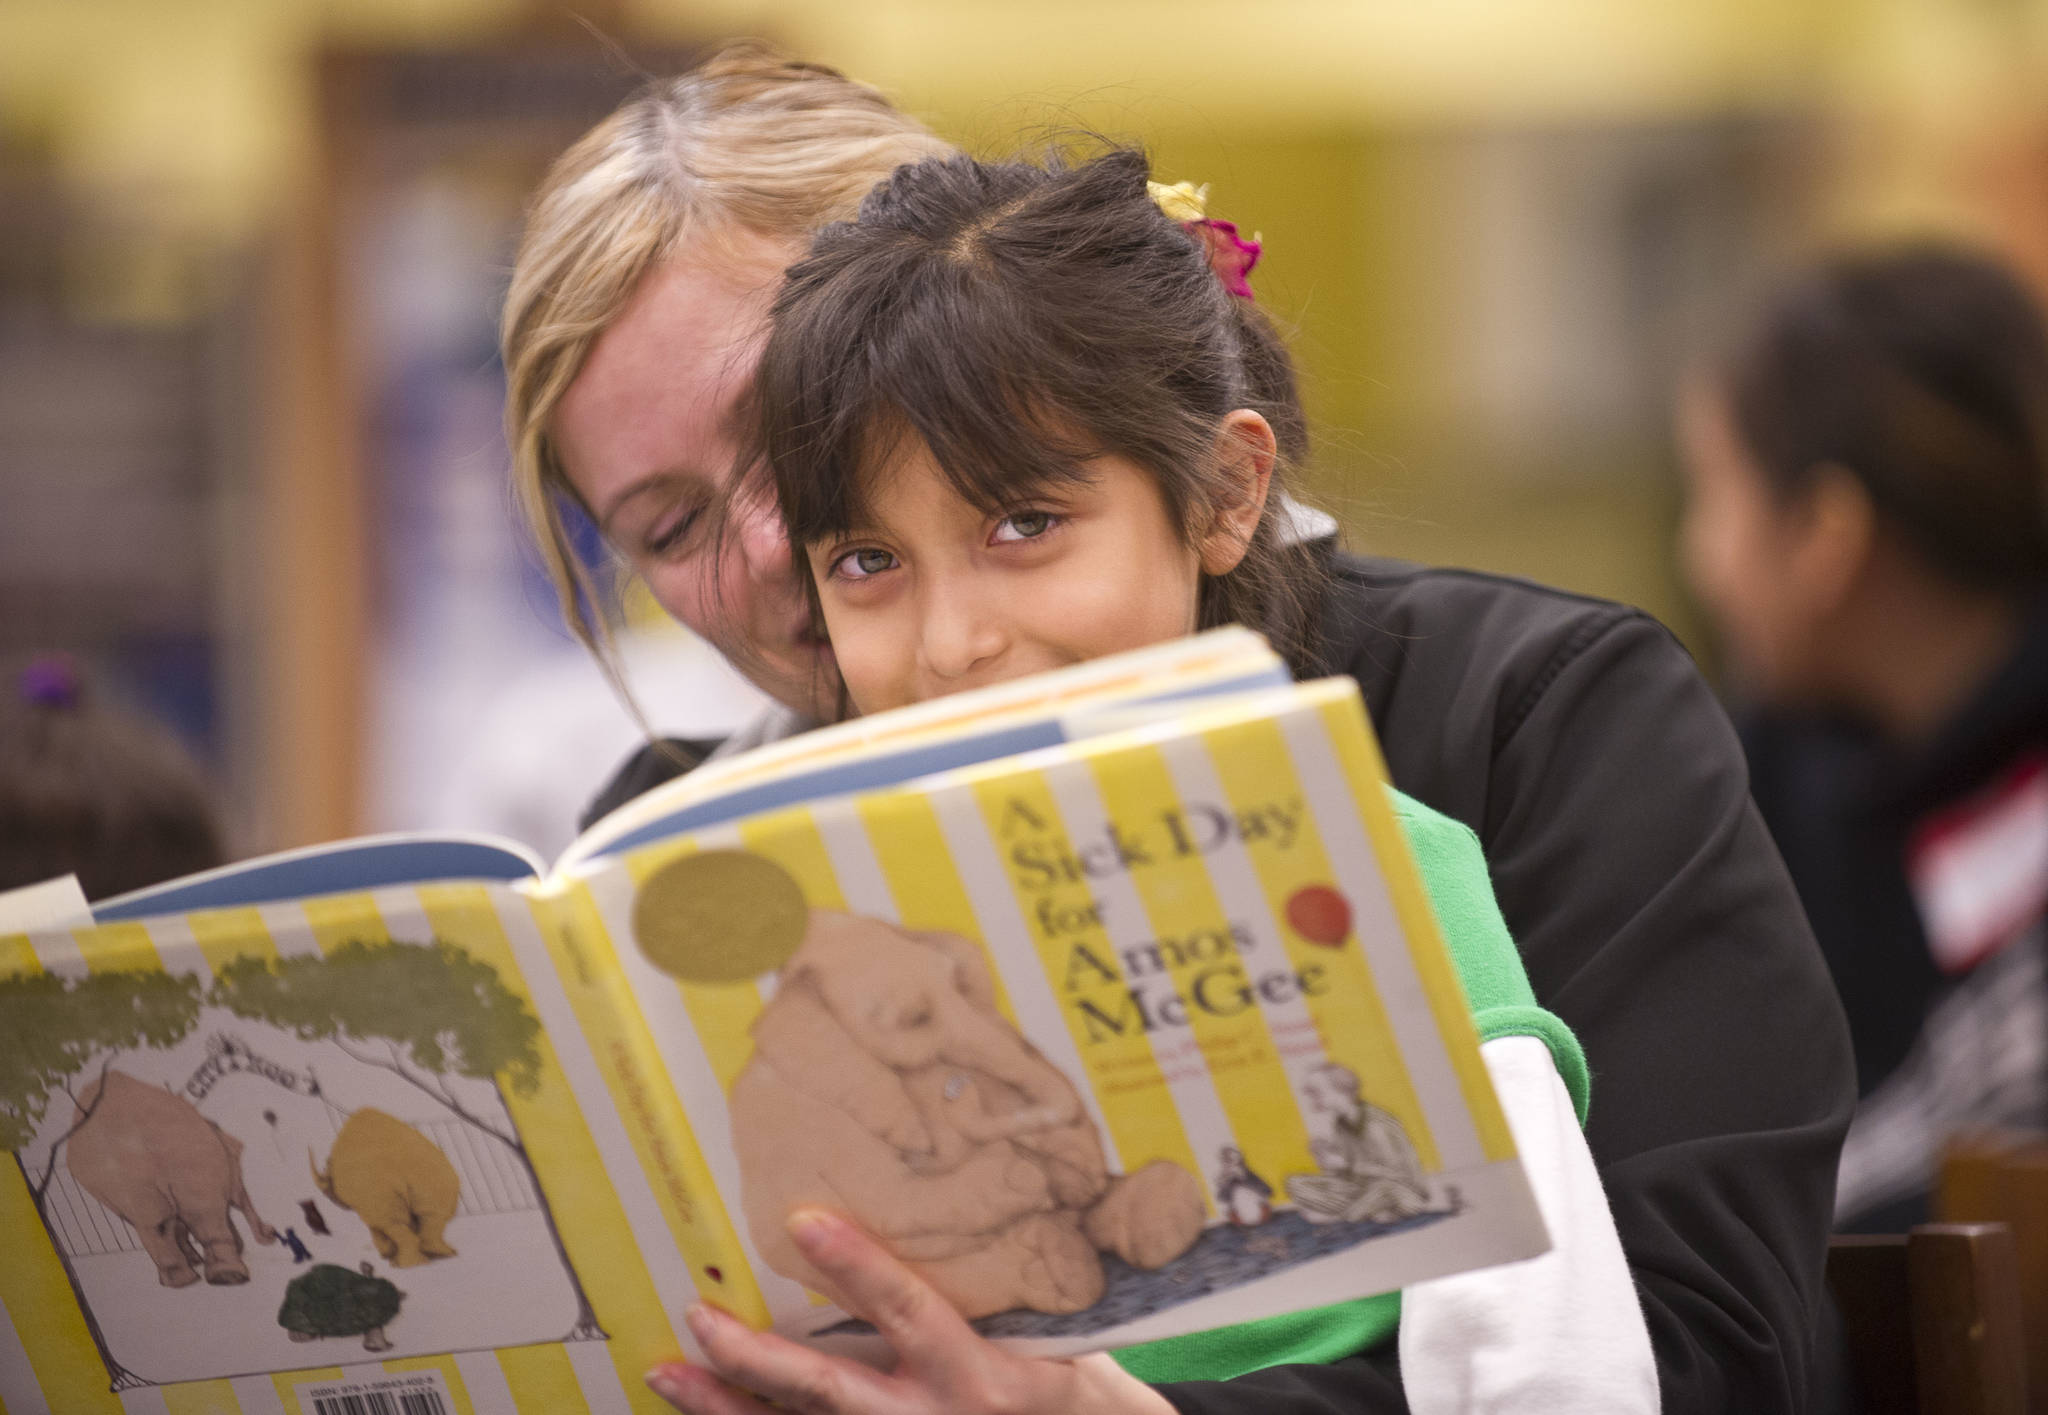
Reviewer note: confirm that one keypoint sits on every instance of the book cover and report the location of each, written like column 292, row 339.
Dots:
column 1136, row 1036
column 1131, row 1036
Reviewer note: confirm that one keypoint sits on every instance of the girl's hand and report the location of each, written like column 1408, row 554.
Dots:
column 943, row 1367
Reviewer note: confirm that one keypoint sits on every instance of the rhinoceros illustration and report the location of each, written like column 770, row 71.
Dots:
column 397, row 1181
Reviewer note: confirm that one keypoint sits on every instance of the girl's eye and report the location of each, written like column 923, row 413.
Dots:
column 863, row 563
column 1025, row 525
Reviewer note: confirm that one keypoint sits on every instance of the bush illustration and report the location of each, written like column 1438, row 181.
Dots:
column 333, row 1301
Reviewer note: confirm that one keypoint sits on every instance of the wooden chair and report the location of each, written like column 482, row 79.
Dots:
column 1931, row 1319
column 2002, row 1177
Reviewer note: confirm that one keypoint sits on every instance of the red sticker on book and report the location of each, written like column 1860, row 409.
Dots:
column 1320, row 914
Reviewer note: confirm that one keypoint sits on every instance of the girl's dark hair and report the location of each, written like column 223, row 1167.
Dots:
column 1924, row 373
column 1020, row 318
column 93, row 791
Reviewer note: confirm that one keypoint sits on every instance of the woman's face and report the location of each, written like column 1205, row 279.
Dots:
column 1741, row 542
column 937, row 596
column 648, row 434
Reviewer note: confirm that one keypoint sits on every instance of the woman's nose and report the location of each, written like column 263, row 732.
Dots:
column 762, row 542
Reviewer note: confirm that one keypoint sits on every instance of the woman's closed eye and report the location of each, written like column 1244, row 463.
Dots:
column 670, row 532
column 1024, row 525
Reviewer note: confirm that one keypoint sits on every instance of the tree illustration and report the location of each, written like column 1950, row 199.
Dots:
column 54, row 1028
column 423, row 1012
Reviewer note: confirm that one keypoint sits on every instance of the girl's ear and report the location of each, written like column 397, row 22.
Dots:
column 1245, row 450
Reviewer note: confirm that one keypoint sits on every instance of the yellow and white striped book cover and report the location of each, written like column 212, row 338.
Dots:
column 347, row 1155
column 1135, row 1036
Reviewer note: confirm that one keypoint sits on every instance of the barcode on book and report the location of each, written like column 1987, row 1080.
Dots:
column 377, row 1402
column 414, row 1393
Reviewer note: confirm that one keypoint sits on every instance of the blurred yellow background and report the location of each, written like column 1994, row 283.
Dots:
column 1501, row 232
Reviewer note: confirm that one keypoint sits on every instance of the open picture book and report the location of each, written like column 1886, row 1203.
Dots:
column 1078, row 992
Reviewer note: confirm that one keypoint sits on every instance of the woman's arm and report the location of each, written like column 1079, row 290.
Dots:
column 1656, row 920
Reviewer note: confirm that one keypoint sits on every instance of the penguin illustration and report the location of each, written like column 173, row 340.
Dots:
column 297, row 1245
column 1240, row 1193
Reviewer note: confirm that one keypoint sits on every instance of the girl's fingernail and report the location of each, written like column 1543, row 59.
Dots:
column 702, row 1322
column 665, row 1385
column 811, row 1229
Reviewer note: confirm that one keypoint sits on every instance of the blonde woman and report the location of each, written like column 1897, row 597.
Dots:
column 637, row 306
column 1654, row 919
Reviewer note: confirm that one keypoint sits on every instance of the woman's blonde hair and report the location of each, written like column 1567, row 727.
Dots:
column 750, row 141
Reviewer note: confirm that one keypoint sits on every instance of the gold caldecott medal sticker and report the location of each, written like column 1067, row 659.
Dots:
column 719, row 916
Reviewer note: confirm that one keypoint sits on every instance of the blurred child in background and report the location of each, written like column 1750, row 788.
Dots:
column 93, row 791
column 1869, row 528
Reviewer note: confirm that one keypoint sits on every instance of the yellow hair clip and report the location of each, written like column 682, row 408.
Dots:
column 1230, row 255
column 1183, row 201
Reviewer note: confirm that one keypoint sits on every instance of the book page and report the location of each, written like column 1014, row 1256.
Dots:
column 380, row 1129
column 52, row 904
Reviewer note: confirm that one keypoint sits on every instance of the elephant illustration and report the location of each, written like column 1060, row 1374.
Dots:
column 151, row 1157
column 397, row 1181
column 885, row 1083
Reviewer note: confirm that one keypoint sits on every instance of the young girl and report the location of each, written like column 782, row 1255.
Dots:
column 1017, row 418
column 1868, row 527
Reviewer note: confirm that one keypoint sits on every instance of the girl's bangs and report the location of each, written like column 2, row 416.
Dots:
column 1002, row 435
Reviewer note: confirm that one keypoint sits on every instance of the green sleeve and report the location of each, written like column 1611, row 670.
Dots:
column 1461, row 892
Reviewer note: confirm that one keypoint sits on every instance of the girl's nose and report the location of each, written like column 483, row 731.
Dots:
column 960, row 634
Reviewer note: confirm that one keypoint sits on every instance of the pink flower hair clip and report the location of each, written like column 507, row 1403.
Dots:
column 1231, row 256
